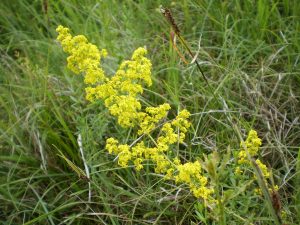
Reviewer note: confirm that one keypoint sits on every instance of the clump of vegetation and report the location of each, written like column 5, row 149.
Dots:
column 120, row 94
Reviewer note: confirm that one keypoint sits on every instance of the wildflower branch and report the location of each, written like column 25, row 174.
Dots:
column 250, row 147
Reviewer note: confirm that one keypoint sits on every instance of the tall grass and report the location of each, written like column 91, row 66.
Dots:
column 250, row 55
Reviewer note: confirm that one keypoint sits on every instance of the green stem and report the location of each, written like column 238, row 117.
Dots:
column 192, row 55
column 198, row 65
column 222, row 218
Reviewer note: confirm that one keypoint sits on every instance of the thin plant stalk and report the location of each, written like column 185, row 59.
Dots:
column 257, row 171
column 222, row 218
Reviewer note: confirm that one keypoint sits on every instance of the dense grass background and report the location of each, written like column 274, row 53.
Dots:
column 249, row 51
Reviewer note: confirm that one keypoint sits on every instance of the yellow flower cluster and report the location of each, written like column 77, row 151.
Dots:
column 118, row 92
column 120, row 95
column 170, row 136
column 151, row 116
column 252, row 145
column 84, row 57
column 263, row 168
column 140, row 152
column 189, row 173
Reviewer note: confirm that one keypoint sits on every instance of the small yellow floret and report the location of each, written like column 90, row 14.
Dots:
column 263, row 168
column 149, row 120
column 124, row 155
column 252, row 143
column 112, row 145
column 238, row 170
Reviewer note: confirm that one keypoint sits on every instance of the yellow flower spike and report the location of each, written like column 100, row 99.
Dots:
column 253, row 143
column 263, row 168
column 138, row 164
column 242, row 157
column 124, row 155
column 124, row 88
column 84, row 58
column 112, row 145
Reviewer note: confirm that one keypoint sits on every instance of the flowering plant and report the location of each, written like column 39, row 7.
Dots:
column 120, row 94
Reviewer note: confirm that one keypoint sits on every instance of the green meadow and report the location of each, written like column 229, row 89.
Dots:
column 234, row 65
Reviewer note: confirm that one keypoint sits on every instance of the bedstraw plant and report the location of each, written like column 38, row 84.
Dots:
column 156, row 134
